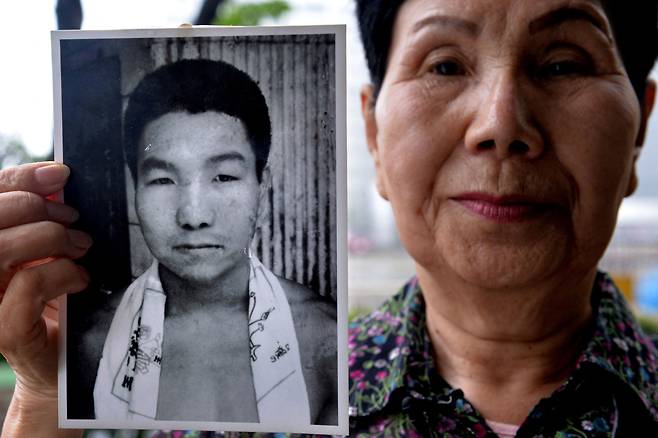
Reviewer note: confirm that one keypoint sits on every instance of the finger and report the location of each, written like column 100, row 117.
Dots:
column 20, row 207
column 43, row 178
column 39, row 240
column 51, row 311
column 21, row 325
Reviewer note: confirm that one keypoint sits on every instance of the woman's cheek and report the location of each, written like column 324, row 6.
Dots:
column 601, row 155
column 412, row 152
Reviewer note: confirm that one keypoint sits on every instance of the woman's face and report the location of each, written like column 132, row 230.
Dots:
column 504, row 137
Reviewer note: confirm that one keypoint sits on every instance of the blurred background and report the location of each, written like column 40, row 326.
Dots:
column 377, row 265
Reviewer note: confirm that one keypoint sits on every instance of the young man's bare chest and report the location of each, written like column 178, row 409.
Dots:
column 206, row 370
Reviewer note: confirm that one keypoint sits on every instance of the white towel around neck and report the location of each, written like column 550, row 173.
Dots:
column 128, row 378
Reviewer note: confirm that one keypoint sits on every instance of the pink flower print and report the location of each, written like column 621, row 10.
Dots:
column 357, row 374
column 381, row 375
column 445, row 424
column 374, row 331
column 480, row 431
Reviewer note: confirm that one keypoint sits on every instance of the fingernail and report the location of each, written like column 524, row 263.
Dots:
column 52, row 174
column 61, row 212
column 80, row 239
column 84, row 274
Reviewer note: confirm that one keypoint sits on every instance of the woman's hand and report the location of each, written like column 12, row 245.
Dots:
column 36, row 266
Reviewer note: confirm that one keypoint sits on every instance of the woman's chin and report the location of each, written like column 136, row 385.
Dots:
column 504, row 265
column 499, row 276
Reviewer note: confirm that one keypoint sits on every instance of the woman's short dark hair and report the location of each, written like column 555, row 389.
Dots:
column 634, row 24
column 197, row 86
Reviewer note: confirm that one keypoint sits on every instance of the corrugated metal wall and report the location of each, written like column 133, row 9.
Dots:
column 296, row 228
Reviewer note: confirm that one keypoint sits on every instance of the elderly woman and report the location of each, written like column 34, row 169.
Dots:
column 504, row 134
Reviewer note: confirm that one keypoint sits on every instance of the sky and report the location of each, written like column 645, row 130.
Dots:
column 26, row 109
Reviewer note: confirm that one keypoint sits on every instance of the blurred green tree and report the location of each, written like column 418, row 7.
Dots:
column 232, row 13
column 13, row 152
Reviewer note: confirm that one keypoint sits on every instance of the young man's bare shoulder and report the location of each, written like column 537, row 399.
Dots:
column 87, row 334
column 303, row 300
column 96, row 326
column 314, row 317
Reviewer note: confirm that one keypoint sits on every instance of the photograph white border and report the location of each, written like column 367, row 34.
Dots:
column 341, row 221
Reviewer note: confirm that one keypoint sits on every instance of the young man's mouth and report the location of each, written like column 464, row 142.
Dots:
column 198, row 247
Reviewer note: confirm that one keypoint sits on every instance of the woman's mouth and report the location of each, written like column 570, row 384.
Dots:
column 502, row 209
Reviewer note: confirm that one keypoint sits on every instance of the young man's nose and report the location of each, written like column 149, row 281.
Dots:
column 194, row 211
column 503, row 121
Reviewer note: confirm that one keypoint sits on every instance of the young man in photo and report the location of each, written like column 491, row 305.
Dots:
column 208, row 333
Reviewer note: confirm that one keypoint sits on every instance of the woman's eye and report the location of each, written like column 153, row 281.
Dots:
column 224, row 178
column 447, row 68
column 160, row 182
column 563, row 68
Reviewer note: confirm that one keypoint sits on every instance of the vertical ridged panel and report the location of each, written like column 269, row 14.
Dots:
column 296, row 229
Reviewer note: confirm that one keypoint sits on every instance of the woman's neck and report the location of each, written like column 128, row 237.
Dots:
column 506, row 349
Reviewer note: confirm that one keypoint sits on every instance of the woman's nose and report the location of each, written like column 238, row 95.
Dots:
column 503, row 122
column 194, row 209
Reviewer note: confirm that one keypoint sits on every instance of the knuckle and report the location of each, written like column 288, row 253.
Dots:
column 29, row 282
column 6, row 344
column 5, row 335
column 26, row 284
column 10, row 178
column 52, row 231
column 65, row 267
column 27, row 203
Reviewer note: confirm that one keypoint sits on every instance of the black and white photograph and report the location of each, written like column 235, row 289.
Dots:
column 208, row 165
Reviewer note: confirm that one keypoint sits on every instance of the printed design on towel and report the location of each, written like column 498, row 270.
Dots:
column 144, row 349
column 256, row 325
column 279, row 352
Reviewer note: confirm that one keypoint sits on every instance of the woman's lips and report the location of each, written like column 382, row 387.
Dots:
column 502, row 209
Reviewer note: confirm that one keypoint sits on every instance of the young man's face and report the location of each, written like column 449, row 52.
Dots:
column 197, row 193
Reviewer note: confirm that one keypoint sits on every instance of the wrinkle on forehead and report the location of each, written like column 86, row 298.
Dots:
column 501, row 15
column 505, row 24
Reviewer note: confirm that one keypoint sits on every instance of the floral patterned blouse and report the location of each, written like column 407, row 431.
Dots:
column 395, row 390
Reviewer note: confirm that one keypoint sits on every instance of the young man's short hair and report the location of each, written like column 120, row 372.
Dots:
column 197, row 86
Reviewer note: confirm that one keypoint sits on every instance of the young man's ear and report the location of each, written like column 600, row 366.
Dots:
column 647, row 107
column 368, row 112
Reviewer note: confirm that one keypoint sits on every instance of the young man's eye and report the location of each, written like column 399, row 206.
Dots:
column 224, row 178
column 160, row 182
column 447, row 68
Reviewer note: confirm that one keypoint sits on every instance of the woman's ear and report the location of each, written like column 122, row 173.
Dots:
column 647, row 107
column 633, row 180
column 368, row 112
